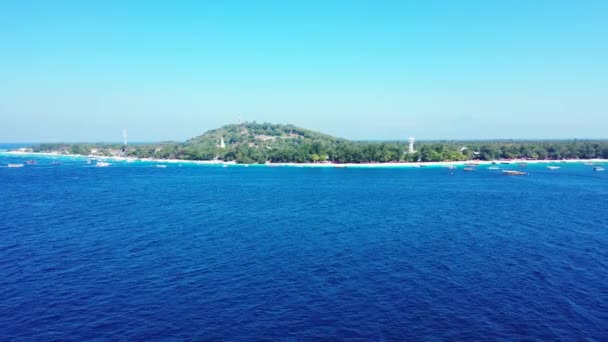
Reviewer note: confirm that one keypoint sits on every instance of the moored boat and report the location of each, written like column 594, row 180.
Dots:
column 14, row 165
column 599, row 168
column 553, row 167
column 102, row 164
column 513, row 173
column 469, row 169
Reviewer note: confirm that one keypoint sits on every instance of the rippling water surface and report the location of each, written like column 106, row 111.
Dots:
column 201, row 252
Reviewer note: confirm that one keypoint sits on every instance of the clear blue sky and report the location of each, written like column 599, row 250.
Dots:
column 84, row 70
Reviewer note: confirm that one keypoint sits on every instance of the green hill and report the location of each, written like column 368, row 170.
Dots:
column 254, row 134
column 253, row 142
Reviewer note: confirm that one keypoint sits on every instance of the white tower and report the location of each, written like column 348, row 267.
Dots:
column 222, row 144
column 124, row 137
column 410, row 148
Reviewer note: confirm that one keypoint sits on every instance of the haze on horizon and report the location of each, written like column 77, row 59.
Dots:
column 76, row 71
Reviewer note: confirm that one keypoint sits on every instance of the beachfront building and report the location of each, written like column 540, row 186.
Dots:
column 410, row 148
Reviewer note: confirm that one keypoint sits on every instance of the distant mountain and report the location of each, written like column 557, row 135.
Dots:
column 254, row 134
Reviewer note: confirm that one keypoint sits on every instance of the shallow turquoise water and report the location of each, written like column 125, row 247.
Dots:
column 205, row 252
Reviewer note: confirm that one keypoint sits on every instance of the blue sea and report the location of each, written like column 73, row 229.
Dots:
column 190, row 252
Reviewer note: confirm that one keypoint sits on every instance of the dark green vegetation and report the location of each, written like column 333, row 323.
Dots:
column 262, row 142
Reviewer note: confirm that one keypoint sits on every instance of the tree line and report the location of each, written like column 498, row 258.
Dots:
column 342, row 151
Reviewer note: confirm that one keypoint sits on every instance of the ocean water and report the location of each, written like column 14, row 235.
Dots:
column 10, row 146
column 137, row 252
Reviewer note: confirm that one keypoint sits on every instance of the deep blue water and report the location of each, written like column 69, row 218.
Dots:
column 132, row 251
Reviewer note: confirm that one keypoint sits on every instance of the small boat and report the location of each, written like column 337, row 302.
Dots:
column 30, row 162
column 451, row 167
column 589, row 164
column 493, row 168
column 599, row 168
column 471, row 164
column 553, row 167
column 469, row 169
column 55, row 163
column 102, row 164
column 161, row 166
column 523, row 164
column 505, row 163
column 15, row 165
column 513, row 173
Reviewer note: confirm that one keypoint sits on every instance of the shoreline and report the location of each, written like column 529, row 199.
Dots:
column 331, row 165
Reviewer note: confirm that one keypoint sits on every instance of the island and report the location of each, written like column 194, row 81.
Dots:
column 260, row 143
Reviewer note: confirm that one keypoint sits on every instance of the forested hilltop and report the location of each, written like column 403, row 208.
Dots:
column 253, row 142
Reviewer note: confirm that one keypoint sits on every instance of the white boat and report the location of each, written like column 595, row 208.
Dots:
column 15, row 165
column 451, row 167
column 513, row 173
column 102, row 164
column 553, row 167
column 493, row 168
column 161, row 166
column 599, row 169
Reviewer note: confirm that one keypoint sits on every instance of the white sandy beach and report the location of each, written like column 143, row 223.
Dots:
column 513, row 162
